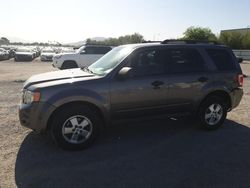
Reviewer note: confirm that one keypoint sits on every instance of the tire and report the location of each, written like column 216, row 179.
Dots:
column 212, row 113
column 69, row 65
column 75, row 127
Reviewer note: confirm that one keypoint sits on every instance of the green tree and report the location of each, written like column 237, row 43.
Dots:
column 232, row 39
column 127, row 39
column 4, row 40
column 199, row 33
column 246, row 41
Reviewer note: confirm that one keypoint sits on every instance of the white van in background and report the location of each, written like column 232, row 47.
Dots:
column 83, row 57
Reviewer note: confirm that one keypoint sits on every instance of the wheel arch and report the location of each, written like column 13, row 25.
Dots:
column 219, row 93
column 71, row 62
column 71, row 103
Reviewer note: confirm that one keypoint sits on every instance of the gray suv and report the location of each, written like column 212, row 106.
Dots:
column 172, row 78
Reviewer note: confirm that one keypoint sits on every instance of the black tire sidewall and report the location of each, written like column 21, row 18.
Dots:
column 68, row 112
column 203, row 108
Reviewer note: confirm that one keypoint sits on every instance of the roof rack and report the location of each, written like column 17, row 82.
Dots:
column 173, row 41
column 151, row 41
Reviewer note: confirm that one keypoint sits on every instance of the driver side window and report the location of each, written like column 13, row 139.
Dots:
column 148, row 62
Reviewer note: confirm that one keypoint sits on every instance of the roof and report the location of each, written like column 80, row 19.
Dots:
column 177, row 43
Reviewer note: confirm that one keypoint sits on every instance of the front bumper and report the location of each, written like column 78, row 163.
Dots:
column 46, row 58
column 236, row 96
column 36, row 115
column 23, row 58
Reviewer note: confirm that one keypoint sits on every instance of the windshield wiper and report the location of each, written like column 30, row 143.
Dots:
column 86, row 69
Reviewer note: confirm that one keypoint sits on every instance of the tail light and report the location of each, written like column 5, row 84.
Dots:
column 240, row 80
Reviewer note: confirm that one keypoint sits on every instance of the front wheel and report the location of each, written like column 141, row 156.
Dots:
column 75, row 127
column 212, row 113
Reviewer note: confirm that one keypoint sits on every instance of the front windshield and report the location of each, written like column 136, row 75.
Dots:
column 23, row 50
column 48, row 51
column 109, row 61
column 80, row 49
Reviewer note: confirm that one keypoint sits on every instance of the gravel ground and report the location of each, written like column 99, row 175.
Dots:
column 155, row 153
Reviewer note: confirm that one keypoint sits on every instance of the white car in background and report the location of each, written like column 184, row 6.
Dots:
column 83, row 57
column 24, row 54
column 47, row 54
column 4, row 54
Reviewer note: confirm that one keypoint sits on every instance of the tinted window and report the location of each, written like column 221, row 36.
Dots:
column 184, row 61
column 89, row 50
column 222, row 59
column 103, row 50
column 149, row 62
column 97, row 50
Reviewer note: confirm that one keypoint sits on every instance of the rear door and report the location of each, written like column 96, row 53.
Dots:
column 187, row 76
column 227, row 68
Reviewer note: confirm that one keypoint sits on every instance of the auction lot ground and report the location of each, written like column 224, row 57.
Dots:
column 155, row 153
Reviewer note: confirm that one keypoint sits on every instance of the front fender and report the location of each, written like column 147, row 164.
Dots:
column 81, row 95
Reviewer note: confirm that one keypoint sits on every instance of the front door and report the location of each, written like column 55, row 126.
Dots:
column 146, row 91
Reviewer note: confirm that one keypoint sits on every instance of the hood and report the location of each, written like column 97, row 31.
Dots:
column 48, row 53
column 24, row 53
column 56, row 75
column 66, row 53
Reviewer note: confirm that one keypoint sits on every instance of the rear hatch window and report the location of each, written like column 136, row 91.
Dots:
column 222, row 59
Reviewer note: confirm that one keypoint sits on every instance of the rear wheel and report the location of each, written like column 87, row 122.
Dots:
column 69, row 65
column 75, row 127
column 212, row 113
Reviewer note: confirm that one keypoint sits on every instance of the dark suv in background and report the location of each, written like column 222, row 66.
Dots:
column 150, row 79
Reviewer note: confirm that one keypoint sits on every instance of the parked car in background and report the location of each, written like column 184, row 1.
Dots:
column 240, row 59
column 47, row 54
column 67, row 50
column 10, row 50
column 4, row 54
column 83, row 57
column 36, row 52
column 133, row 81
column 24, row 54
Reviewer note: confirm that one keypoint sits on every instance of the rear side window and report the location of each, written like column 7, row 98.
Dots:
column 97, row 50
column 222, row 59
column 103, row 50
column 185, row 61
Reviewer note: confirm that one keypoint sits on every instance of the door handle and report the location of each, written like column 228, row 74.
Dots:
column 157, row 84
column 203, row 79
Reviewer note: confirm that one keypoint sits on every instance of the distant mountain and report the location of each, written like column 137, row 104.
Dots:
column 98, row 38
column 81, row 43
column 17, row 39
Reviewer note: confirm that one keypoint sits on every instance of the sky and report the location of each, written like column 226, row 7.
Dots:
column 75, row 20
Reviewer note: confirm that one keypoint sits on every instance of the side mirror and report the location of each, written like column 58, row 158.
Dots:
column 239, row 59
column 124, row 73
column 83, row 52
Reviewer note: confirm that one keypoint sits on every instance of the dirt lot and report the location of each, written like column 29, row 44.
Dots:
column 157, row 153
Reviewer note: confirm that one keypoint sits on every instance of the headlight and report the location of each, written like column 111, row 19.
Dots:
column 29, row 96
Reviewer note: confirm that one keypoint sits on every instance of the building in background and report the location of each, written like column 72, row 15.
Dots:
column 242, row 31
